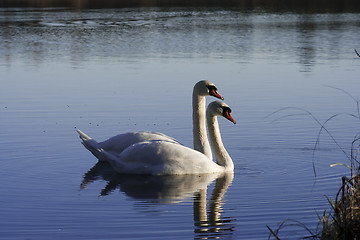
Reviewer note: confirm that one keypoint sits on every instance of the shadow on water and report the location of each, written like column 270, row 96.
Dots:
column 208, row 224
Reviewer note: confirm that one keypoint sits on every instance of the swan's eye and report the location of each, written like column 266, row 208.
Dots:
column 211, row 87
column 226, row 109
column 227, row 115
column 213, row 92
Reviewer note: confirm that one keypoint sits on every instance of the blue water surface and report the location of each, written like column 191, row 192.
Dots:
column 113, row 71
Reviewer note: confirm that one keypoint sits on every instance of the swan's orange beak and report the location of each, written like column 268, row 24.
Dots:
column 213, row 92
column 228, row 116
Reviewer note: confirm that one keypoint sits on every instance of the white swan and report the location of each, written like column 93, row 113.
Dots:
column 122, row 141
column 162, row 157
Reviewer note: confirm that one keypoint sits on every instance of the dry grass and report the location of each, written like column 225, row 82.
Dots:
column 343, row 221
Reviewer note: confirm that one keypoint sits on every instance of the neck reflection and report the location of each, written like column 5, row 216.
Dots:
column 209, row 224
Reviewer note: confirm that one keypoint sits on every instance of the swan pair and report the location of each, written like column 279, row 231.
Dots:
column 153, row 153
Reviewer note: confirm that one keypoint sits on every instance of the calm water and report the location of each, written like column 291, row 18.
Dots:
column 113, row 71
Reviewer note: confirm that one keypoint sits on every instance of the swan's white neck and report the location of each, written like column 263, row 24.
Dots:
column 221, row 155
column 201, row 142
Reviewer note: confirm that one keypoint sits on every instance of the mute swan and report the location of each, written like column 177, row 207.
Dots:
column 201, row 89
column 163, row 157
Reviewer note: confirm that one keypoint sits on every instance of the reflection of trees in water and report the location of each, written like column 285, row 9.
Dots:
column 41, row 36
column 173, row 189
column 306, row 50
column 311, row 32
column 310, row 5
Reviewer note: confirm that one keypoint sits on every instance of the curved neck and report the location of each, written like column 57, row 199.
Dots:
column 221, row 155
column 201, row 142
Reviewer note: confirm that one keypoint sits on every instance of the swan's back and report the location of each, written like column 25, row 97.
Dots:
column 120, row 142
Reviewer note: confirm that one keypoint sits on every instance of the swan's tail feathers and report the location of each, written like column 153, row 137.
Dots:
column 83, row 136
column 91, row 145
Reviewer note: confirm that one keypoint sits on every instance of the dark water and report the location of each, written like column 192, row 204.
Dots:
column 113, row 71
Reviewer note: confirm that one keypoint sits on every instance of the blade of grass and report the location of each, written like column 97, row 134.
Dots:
column 357, row 53
column 272, row 232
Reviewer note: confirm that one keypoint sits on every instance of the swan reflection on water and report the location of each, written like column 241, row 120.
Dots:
column 172, row 189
